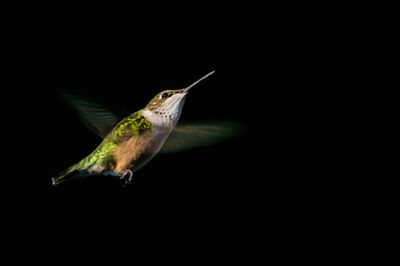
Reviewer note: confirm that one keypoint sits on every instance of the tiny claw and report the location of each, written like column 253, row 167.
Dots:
column 127, row 177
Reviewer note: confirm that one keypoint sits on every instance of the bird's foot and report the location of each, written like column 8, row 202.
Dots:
column 127, row 176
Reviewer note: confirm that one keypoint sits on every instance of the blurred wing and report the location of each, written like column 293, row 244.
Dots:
column 185, row 137
column 95, row 116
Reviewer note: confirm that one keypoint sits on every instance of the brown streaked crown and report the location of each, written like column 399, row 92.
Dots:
column 160, row 98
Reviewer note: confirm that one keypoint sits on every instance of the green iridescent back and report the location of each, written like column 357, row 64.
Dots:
column 128, row 127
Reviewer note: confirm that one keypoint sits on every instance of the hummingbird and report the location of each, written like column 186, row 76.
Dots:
column 130, row 143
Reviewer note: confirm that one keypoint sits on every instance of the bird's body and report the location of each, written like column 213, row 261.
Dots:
column 132, row 143
column 136, row 139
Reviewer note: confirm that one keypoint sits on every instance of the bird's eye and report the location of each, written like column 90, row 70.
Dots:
column 166, row 95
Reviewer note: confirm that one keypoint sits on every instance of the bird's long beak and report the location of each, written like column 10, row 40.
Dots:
column 192, row 85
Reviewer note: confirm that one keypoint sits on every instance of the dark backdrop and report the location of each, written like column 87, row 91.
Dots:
column 201, row 180
column 253, row 173
column 232, row 176
column 267, row 180
column 276, row 73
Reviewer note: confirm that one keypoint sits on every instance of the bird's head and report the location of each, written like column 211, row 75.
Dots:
column 166, row 106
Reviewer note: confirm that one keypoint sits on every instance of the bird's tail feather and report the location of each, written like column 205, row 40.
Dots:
column 69, row 176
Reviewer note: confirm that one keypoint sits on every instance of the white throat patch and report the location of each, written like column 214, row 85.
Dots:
column 156, row 118
column 168, row 114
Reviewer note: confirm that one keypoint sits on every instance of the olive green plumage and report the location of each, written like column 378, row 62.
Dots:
column 129, row 127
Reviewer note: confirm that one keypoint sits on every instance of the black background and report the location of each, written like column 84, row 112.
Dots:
column 257, row 89
column 251, row 174
column 202, row 180
column 269, row 182
column 225, row 178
